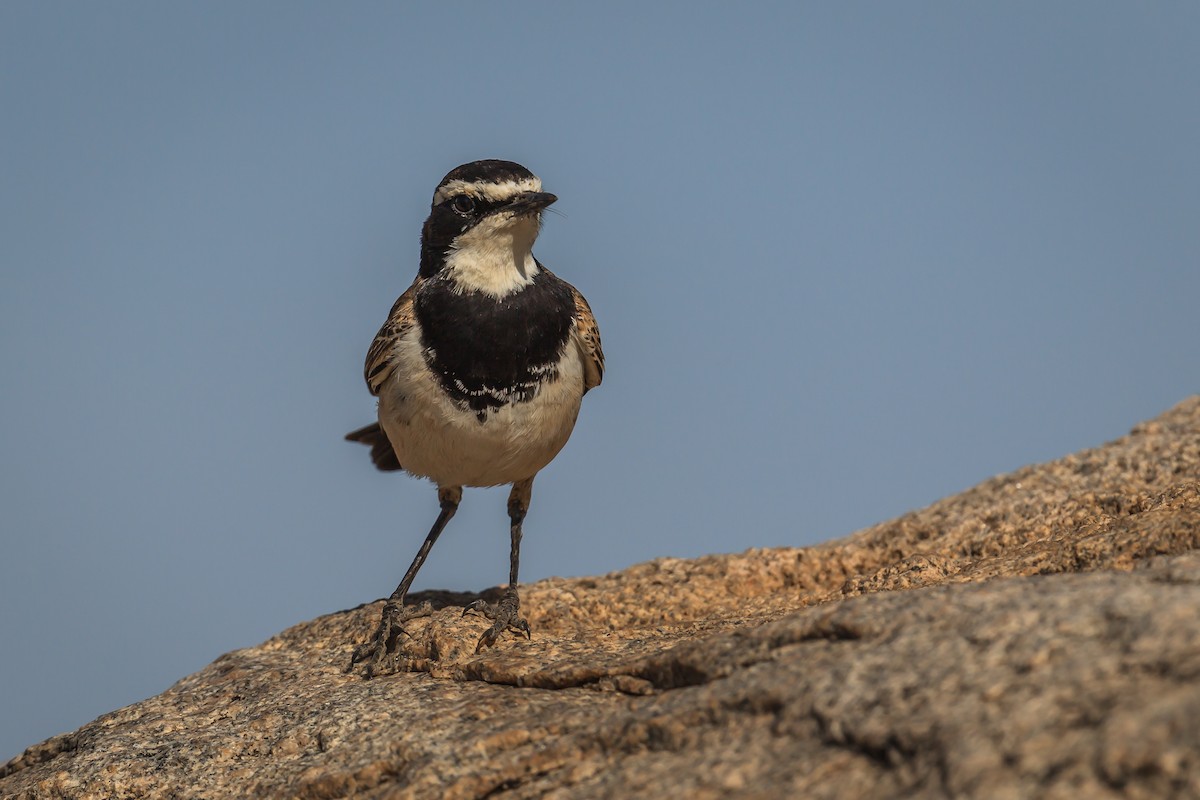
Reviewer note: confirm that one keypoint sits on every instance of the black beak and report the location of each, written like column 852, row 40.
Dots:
column 531, row 202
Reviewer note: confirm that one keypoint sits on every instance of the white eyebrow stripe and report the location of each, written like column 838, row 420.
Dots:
column 486, row 190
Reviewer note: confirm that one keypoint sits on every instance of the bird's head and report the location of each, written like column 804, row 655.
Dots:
column 482, row 225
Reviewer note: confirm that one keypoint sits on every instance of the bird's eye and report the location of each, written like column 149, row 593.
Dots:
column 464, row 204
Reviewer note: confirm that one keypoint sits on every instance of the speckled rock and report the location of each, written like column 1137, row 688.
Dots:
column 1035, row 636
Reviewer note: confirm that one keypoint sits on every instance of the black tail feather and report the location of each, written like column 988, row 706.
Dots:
column 382, row 454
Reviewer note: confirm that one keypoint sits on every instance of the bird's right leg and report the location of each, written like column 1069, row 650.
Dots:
column 382, row 653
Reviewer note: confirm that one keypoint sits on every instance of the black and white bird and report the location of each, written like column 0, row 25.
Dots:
column 479, row 370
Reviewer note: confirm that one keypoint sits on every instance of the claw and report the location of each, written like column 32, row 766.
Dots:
column 383, row 649
column 487, row 639
column 504, row 615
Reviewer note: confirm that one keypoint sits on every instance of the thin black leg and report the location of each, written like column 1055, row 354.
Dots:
column 506, row 613
column 384, row 644
column 518, row 507
column 449, row 500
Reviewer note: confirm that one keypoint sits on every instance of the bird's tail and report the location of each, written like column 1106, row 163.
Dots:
column 382, row 453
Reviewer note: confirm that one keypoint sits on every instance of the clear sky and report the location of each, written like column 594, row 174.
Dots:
column 847, row 258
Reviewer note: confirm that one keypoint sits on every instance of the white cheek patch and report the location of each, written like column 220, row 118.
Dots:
column 495, row 257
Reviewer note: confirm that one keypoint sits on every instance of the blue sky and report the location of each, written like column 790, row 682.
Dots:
column 847, row 258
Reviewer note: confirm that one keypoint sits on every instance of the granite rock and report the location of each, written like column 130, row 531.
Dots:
column 1035, row 636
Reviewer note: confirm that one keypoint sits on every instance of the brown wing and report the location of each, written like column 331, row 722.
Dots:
column 381, row 356
column 587, row 333
column 380, row 363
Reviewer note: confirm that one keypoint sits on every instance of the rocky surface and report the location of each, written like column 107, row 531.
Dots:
column 1035, row 636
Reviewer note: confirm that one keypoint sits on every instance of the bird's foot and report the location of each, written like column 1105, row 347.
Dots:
column 382, row 654
column 505, row 616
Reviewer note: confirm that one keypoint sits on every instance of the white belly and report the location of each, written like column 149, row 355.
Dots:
column 436, row 439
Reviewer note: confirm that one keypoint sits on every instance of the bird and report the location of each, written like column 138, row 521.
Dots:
column 479, row 371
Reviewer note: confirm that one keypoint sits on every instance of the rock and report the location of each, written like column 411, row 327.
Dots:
column 1035, row 636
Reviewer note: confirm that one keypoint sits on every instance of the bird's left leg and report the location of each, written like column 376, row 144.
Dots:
column 506, row 613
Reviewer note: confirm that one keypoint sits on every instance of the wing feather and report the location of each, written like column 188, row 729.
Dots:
column 381, row 357
column 587, row 335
